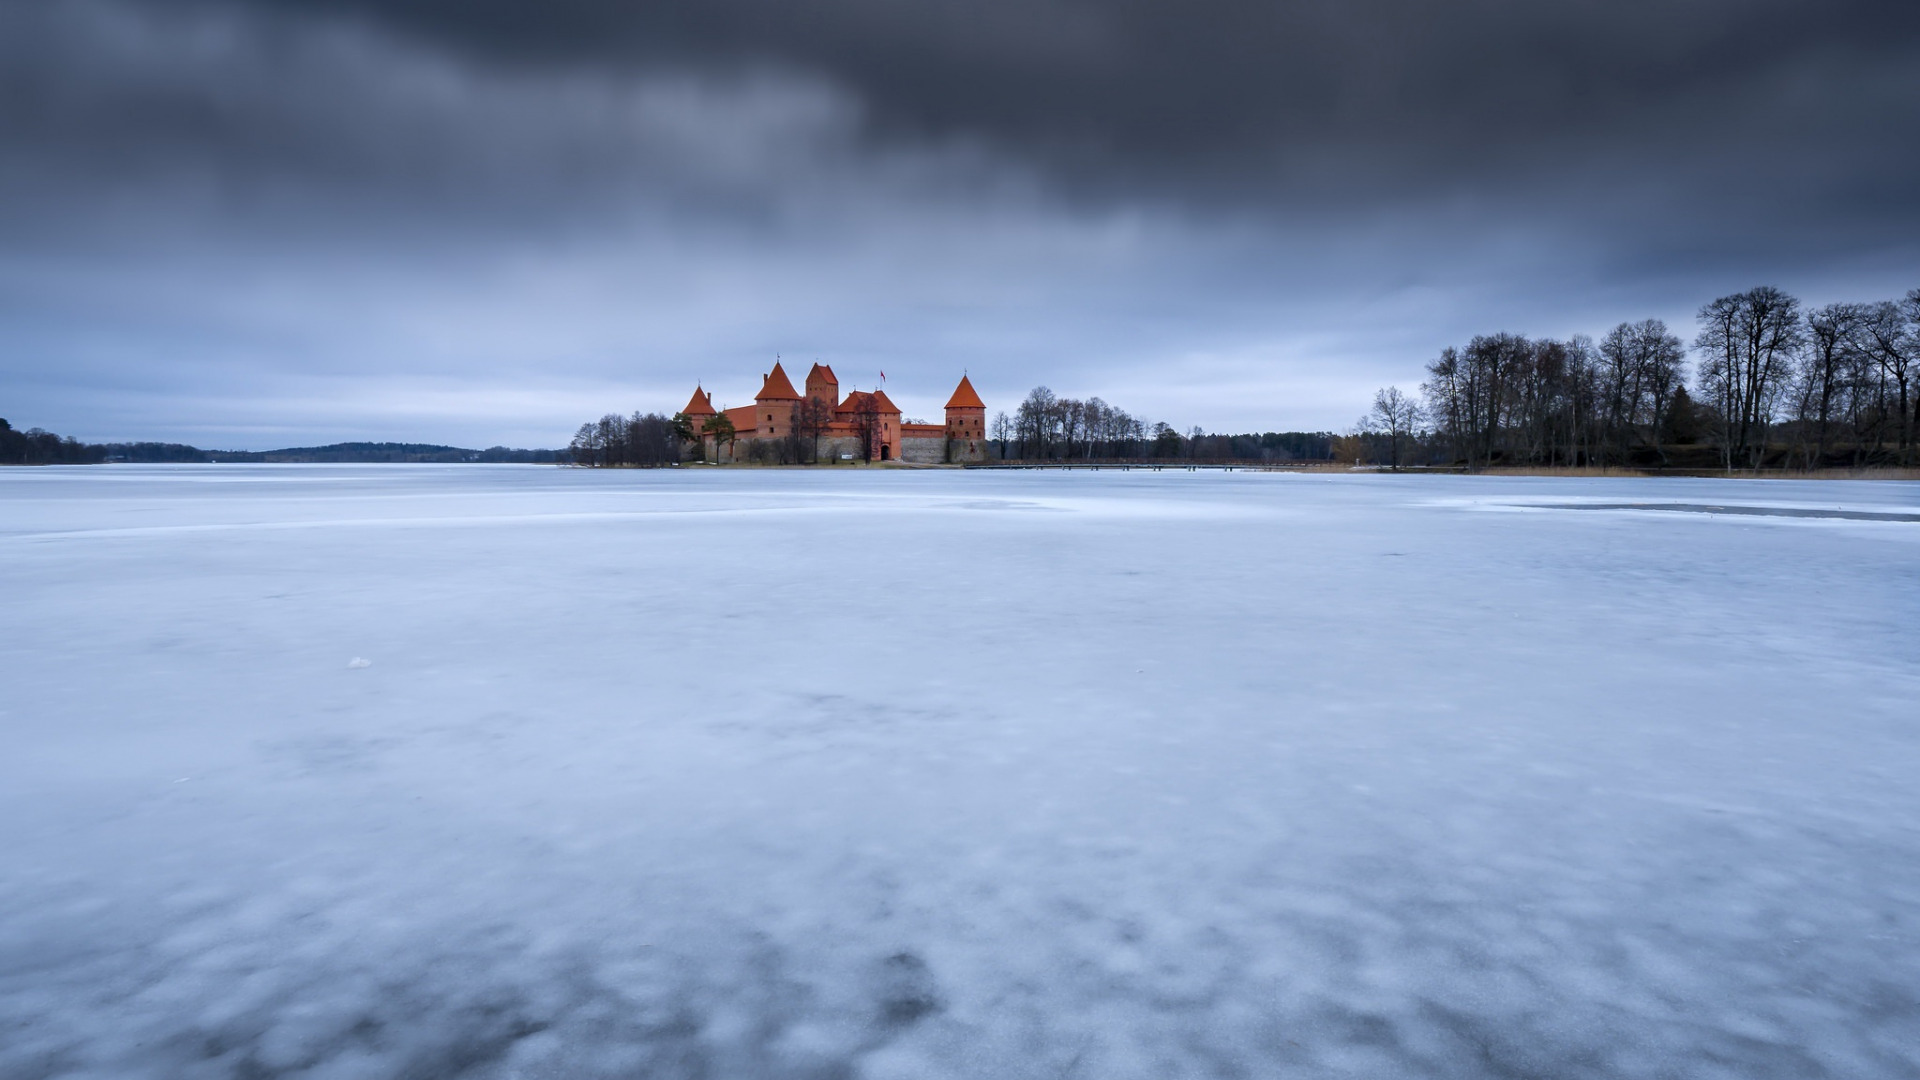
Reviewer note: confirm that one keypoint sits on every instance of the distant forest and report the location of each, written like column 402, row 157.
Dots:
column 37, row 447
column 1775, row 386
column 1047, row 427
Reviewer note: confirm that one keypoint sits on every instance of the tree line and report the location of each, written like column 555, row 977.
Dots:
column 643, row 439
column 1049, row 427
column 1774, row 385
column 36, row 447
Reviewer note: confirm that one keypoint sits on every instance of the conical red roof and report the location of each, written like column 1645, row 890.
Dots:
column 822, row 370
column 778, row 388
column 882, row 403
column 700, row 404
column 964, row 397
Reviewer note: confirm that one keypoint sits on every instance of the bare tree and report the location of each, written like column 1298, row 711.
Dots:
column 1577, row 399
column 1822, row 376
column 1663, row 361
column 609, row 438
column 1396, row 416
column 1448, row 390
column 1034, row 421
column 583, row 449
column 1640, row 368
column 1095, row 416
column 1889, row 336
column 811, row 415
column 1474, row 392
column 1068, row 416
column 1746, row 341
column 866, row 425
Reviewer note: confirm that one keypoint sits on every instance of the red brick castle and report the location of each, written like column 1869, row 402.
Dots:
column 861, row 426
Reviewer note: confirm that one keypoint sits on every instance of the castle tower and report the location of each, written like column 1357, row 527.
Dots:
column 699, row 409
column 773, row 406
column 887, row 431
column 822, row 385
column 966, row 424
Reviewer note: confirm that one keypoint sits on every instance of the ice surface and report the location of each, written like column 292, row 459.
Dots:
column 934, row 774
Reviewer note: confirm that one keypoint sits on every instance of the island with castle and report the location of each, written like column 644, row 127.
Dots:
column 863, row 426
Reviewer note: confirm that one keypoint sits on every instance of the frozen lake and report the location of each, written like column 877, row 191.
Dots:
column 935, row 774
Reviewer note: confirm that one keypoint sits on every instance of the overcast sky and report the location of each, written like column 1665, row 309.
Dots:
column 263, row 224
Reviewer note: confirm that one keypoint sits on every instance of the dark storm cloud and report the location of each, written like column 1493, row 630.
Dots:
column 1238, row 94
column 108, row 96
column 440, row 216
column 1204, row 99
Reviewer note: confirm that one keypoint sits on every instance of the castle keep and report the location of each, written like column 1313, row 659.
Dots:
column 861, row 426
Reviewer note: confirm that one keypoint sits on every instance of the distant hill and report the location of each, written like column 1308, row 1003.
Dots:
column 355, row 452
column 335, row 454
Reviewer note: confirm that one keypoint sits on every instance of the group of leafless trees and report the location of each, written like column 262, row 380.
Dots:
column 642, row 439
column 1047, row 427
column 1775, row 385
column 1508, row 398
column 1844, row 375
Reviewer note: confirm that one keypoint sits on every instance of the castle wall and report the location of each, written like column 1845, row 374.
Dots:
column 919, row 449
column 835, row 445
column 923, row 450
column 831, row 448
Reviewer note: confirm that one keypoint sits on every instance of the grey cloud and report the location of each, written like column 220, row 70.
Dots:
column 1158, row 87
column 1219, row 99
column 121, row 98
